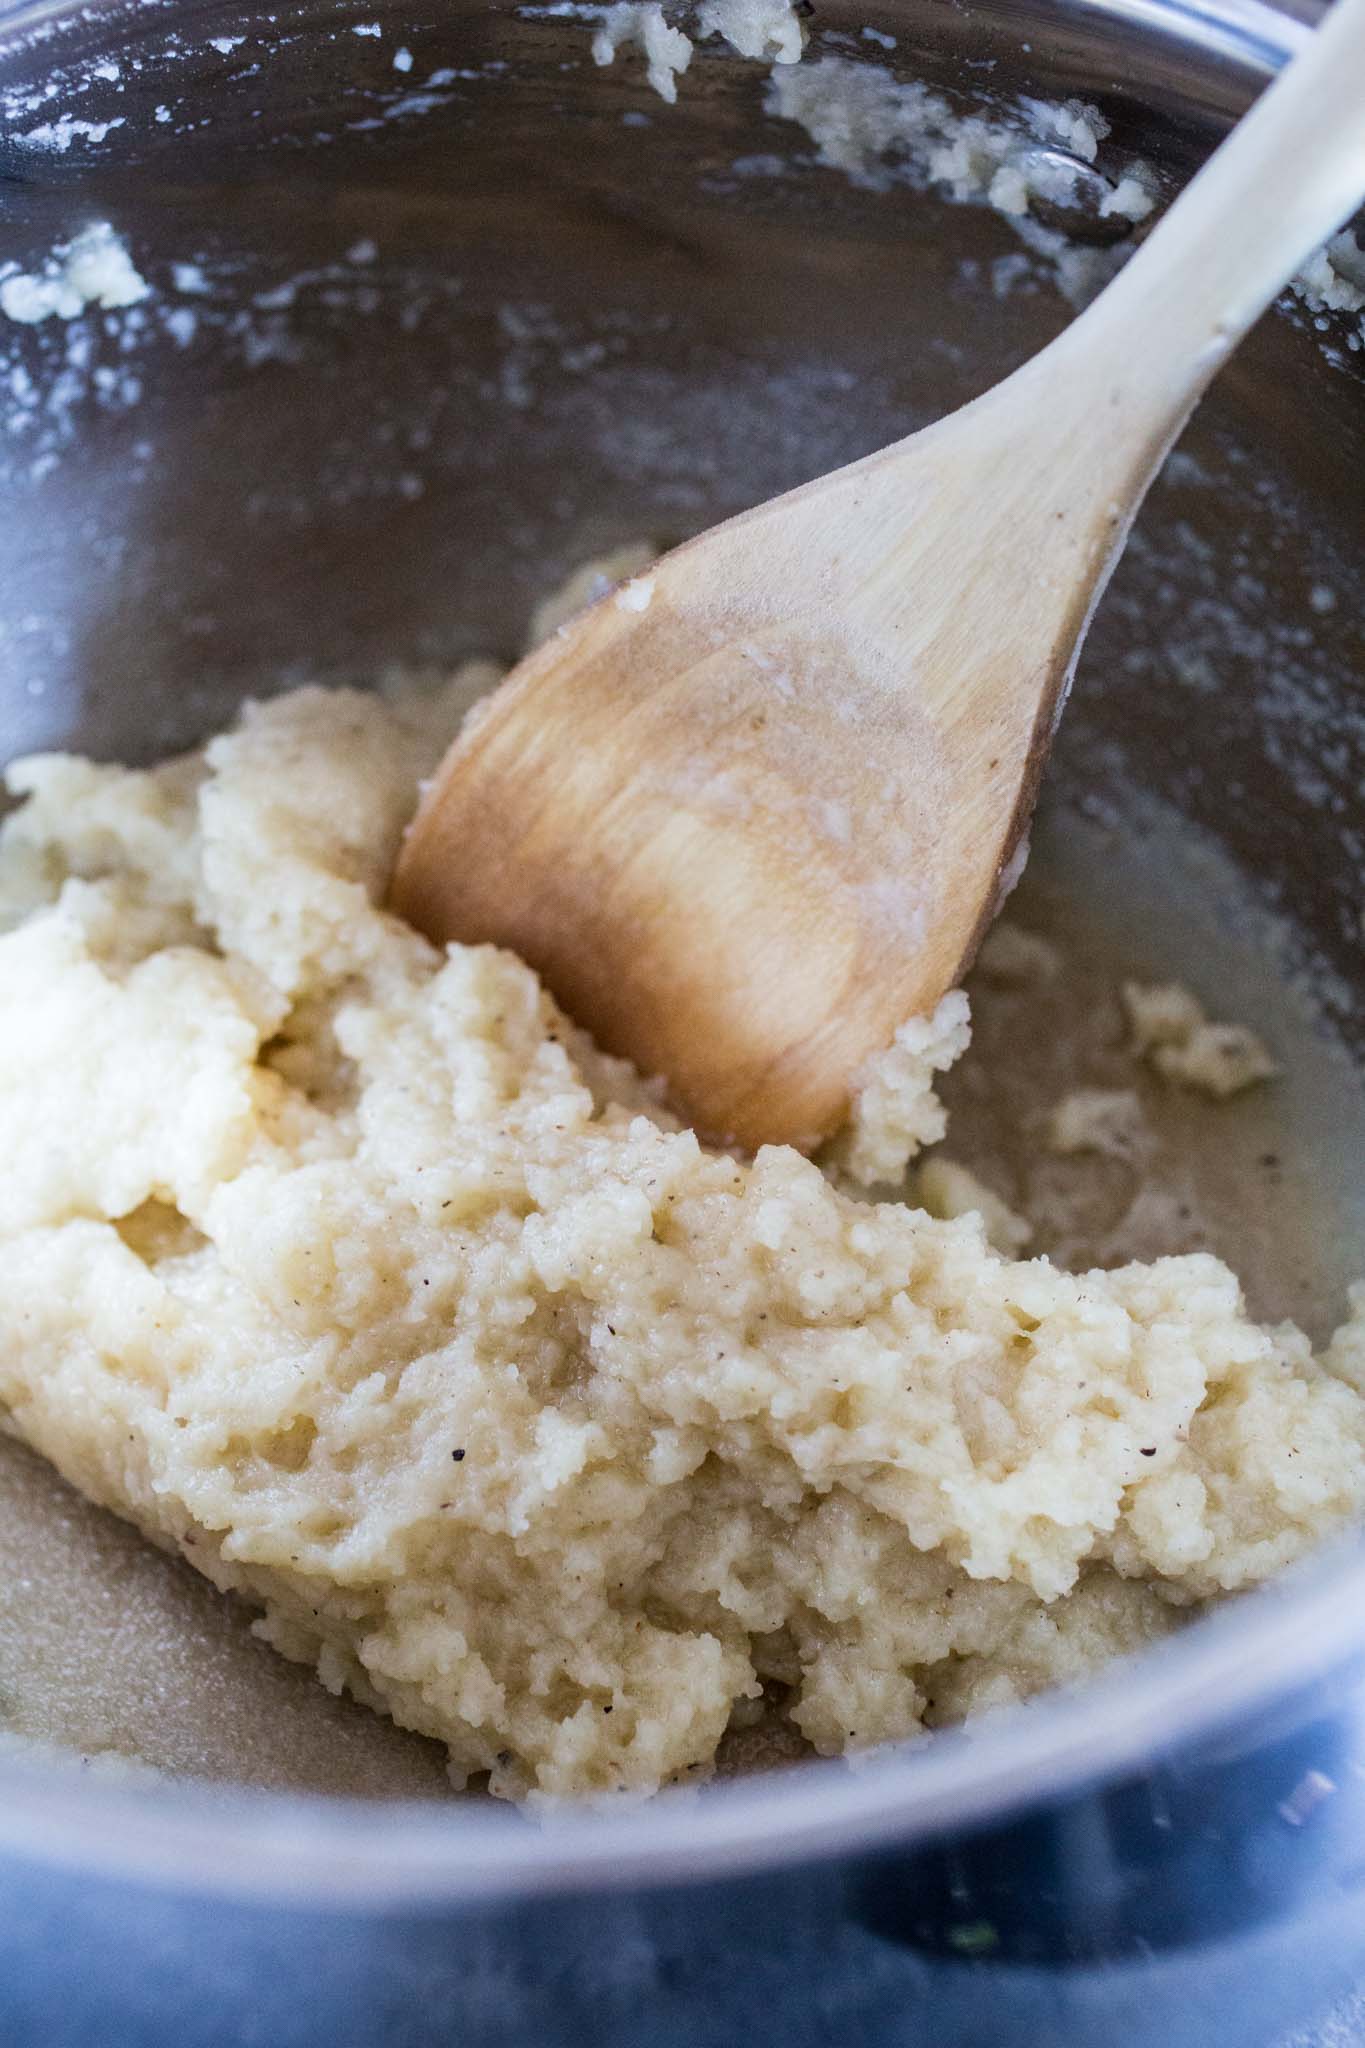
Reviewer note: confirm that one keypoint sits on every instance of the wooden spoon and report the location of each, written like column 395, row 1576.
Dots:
column 756, row 808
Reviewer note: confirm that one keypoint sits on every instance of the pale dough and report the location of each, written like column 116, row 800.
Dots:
column 356, row 1274
column 1171, row 1030
column 768, row 30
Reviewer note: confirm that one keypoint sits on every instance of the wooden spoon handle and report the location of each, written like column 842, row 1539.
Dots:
column 1285, row 179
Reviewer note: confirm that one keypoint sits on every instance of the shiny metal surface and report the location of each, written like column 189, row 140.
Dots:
column 575, row 326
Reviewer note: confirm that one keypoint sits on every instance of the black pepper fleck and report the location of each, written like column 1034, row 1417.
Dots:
column 1146, row 1453
column 457, row 1456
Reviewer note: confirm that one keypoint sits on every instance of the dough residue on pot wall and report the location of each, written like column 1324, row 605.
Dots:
column 350, row 1269
column 1171, row 1030
column 93, row 269
column 1027, row 161
column 766, row 29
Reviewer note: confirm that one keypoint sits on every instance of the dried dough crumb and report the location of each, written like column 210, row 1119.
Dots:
column 768, row 30
column 667, row 51
column 1173, row 1033
column 755, row 28
column 93, row 269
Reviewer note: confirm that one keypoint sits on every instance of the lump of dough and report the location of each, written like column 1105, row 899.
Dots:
column 766, row 29
column 92, row 269
column 347, row 1267
column 755, row 28
column 667, row 50
column 1172, row 1031
column 947, row 1190
column 1107, row 1120
column 894, row 1111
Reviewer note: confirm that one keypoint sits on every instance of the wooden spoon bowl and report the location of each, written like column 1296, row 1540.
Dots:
column 757, row 807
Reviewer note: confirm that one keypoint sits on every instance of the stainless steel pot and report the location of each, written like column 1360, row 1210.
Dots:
column 425, row 333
